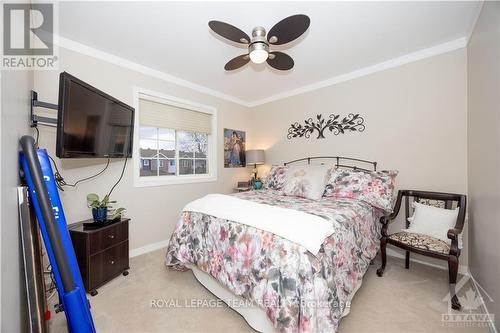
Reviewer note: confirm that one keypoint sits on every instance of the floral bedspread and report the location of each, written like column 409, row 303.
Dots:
column 299, row 291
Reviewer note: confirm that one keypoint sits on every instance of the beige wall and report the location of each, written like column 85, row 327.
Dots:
column 415, row 118
column 484, row 153
column 15, row 106
column 153, row 210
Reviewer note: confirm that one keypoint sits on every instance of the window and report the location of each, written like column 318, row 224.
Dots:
column 156, row 145
column 161, row 145
column 174, row 141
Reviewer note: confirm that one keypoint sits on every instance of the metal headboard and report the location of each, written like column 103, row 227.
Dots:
column 339, row 162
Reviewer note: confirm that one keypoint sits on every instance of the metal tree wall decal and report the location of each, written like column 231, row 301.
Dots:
column 350, row 123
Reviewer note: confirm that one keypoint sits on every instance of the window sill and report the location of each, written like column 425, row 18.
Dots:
column 172, row 180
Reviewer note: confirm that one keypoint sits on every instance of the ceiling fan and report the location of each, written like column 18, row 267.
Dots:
column 283, row 32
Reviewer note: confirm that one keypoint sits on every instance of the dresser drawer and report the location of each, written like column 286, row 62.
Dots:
column 107, row 264
column 108, row 237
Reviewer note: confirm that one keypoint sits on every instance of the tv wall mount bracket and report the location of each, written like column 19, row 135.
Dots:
column 36, row 119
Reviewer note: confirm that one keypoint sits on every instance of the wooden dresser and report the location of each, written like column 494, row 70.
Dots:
column 102, row 253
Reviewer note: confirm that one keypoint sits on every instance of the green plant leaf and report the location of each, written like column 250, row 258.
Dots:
column 92, row 198
column 117, row 213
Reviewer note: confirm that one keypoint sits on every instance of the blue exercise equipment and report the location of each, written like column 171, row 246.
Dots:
column 47, row 205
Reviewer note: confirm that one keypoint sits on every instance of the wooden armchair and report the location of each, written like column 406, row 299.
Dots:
column 422, row 244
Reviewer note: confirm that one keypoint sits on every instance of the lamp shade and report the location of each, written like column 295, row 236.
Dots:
column 255, row 156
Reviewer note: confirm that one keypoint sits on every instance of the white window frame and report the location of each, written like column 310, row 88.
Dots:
column 213, row 166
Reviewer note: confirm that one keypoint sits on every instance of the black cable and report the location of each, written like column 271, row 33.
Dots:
column 52, row 280
column 61, row 182
column 119, row 179
column 37, row 135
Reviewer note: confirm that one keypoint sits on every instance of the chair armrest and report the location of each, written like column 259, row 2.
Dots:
column 386, row 219
column 453, row 233
column 457, row 230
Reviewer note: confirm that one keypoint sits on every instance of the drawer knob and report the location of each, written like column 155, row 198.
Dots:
column 111, row 236
column 112, row 262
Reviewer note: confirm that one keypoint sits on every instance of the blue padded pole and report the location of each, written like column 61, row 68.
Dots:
column 50, row 215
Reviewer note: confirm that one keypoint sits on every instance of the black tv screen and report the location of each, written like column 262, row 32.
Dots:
column 91, row 123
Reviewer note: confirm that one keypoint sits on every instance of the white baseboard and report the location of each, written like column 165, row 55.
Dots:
column 148, row 248
column 462, row 269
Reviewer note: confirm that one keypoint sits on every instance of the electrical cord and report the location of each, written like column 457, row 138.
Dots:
column 60, row 182
column 37, row 136
column 119, row 179
column 52, row 286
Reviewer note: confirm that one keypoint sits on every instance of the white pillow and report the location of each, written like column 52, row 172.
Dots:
column 432, row 221
column 306, row 181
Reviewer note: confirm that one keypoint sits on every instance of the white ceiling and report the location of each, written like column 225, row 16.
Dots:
column 174, row 38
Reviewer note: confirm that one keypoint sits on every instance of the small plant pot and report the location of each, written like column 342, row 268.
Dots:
column 100, row 214
column 257, row 185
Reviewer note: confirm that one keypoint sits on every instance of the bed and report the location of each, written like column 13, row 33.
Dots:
column 274, row 283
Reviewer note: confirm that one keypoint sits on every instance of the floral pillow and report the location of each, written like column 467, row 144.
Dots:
column 276, row 177
column 375, row 187
column 306, row 181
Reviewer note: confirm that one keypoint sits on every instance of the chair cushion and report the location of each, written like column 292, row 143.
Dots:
column 432, row 221
column 421, row 241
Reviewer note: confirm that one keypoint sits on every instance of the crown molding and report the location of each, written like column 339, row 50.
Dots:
column 472, row 26
column 116, row 60
column 395, row 62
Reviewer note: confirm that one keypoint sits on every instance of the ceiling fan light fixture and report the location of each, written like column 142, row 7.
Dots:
column 258, row 52
column 283, row 32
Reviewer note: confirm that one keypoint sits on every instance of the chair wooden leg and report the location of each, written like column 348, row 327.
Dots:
column 407, row 260
column 383, row 246
column 453, row 272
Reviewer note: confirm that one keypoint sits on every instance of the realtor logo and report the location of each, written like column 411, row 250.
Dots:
column 28, row 36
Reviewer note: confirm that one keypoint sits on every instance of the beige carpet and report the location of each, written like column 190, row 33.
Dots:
column 401, row 301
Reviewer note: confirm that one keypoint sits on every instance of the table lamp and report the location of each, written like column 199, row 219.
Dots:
column 255, row 157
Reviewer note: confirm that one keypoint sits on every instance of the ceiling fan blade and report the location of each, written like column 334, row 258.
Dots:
column 237, row 62
column 288, row 29
column 229, row 32
column 280, row 61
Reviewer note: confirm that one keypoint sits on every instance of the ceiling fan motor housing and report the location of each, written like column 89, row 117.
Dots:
column 259, row 41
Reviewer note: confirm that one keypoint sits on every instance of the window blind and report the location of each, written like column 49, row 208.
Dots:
column 156, row 114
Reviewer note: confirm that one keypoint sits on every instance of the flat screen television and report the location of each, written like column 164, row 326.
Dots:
column 90, row 123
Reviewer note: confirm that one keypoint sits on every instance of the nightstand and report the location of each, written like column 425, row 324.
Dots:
column 102, row 253
column 243, row 187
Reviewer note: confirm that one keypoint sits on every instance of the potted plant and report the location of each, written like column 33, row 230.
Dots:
column 101, row 208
